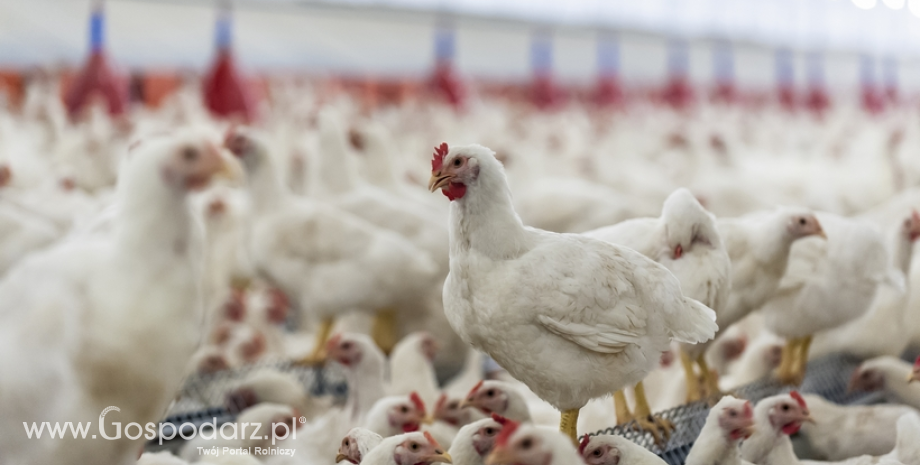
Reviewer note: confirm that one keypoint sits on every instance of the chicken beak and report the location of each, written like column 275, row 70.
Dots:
column 748, row 431
column 230, row 169
column 465, row 403
column 500, row 456
column 808, row 419
column 913, row 376
column 428, row 419
column 822, row 234
column 340, row 456
column 443, row 457
column 438, row 181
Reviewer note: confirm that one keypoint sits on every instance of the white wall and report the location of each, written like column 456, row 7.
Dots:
column 319, row 37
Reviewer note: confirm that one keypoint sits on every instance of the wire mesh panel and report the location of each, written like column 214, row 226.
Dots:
column 827, row 377
column 204, row 397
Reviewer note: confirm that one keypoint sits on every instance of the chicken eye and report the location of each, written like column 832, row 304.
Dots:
column 490, row 393
column 190, row 154
column 802, row 221
column 453, row 405
column 490, row 431
column 785, row 407
column 526, row 444
column 414, row 446
column 346, row 345
column 345, row 442
column 732, row 413
column 596, row 453
column 404, row 409
column 457, row 162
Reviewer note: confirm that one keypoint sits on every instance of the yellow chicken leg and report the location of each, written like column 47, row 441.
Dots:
column 784, row 373
column 619, row 403
column 801, row 362
column 659, row 428
column 568, row 424
column 710, row 381
column 318, row 356
column 384, row 331
column 693, row 384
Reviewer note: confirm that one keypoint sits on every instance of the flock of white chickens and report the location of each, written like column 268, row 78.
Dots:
column 654, row 256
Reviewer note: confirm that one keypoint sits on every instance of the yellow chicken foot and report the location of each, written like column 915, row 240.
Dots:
column 384, row 331
column 659, row 428
column 693, row 383
column 318, row 356
column 568, row 424
column 619, row 403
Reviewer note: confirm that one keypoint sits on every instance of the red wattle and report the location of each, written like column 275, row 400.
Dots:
column 454, row 191
column 791, row 428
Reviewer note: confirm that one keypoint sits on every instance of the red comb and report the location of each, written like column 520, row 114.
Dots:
column 508, row 430
column 798, row 398
column 583, row 444
column 439, row 153
column 333, row 341
column 748, row 410
column 917, row 362
column 500, row 419
column 475, row 389
column 431, row 440
column 418, row 402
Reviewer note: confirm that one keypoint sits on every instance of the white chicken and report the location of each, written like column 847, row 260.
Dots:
column 759, row 245
column 116, row 318
column 729, row 422
column 686, row 241
column 827, row 284
column 775, row 418
column 411, row 367
column 498, row 397
column 476, row 440
column 326, row 260
column 884, row 329
column 841, row 432
column 356, row 444
column 607, row 449
column 527, row 444
column 891, row 376
column 572, row 317
column 410, row 448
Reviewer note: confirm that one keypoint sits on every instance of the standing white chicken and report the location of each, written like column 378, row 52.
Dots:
column 884, row 329
column 326, row 260
column 572, row 317
column 115, row 318
column 686, row 241
column 827, row 284
column 758, row 245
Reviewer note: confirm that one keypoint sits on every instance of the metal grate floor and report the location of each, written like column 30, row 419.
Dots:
column 827, row 377
column 202, row 399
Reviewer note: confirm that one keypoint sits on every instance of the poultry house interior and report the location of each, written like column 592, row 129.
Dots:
column 308, row 232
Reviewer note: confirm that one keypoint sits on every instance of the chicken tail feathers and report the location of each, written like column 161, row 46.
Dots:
column 696, row 323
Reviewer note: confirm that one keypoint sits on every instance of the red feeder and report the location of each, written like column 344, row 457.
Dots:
column 226, row 95
column 97, row 80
